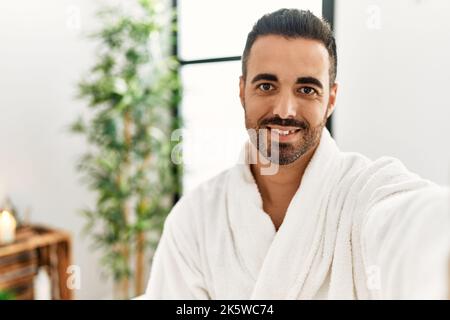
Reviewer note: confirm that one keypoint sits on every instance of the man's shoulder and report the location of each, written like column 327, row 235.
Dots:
column 210, row 188
column 378, row 178
column 361, row 165
column 205, row 197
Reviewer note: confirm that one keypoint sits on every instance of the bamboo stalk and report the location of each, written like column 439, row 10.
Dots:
column 125, row 285
column 140, row 243
column 126, row 206
column 139, row 278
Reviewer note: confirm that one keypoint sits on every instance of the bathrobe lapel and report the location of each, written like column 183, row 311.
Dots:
column 280, row 262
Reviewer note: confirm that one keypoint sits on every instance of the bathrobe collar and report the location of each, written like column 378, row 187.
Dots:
column 279, row 262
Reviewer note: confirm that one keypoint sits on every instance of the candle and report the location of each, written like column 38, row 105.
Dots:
column 7, row 227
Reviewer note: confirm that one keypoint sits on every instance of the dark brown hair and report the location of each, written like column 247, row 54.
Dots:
column 293, row 23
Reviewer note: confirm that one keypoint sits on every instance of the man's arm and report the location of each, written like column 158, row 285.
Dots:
column 405, row 239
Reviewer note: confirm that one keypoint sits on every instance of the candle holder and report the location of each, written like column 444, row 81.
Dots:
column 8, row 226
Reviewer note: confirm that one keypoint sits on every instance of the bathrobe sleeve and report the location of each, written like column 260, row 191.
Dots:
column 175, row 272
column 406, row 245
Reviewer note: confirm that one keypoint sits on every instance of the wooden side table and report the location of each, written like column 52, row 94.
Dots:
column 36, row 246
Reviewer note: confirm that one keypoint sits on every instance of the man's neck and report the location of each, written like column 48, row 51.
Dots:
column 278, row 189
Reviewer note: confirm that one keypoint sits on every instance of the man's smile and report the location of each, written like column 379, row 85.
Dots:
column 283, row 133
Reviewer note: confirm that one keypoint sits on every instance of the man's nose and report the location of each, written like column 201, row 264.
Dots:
column 285, row 106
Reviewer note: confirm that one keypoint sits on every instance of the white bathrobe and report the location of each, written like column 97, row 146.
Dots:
column 355, row 229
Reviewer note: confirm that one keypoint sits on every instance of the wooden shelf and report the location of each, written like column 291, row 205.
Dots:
column 36, row 246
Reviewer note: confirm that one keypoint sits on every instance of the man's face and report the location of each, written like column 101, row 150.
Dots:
column 287, row 88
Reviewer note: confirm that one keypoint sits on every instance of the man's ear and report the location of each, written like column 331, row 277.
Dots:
column 242, row 90
column 332, row 99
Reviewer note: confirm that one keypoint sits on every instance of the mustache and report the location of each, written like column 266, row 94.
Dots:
column 284, row 122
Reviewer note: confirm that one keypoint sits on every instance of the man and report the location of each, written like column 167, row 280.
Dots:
column 299, row 219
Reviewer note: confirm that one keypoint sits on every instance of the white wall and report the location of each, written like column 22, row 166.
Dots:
column 394, row 74
column 42, row 56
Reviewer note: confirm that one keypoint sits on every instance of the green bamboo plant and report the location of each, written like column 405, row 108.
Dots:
column 132, row 91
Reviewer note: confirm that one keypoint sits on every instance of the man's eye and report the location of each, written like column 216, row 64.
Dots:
column 307, row 90
column 265, row 86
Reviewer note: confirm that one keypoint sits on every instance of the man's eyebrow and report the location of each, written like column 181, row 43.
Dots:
column 300, row 80
column 309, row 80
column 265, row 76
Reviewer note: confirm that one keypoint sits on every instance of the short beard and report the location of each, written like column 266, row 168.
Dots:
column 286, row 153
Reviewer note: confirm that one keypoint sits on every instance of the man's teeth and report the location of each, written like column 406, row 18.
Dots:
column 283, row 132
